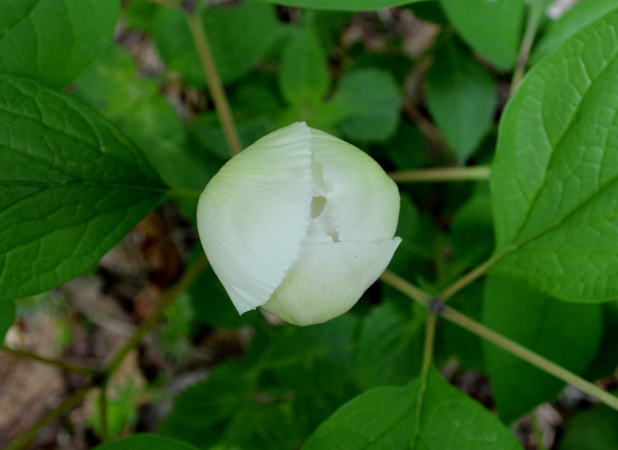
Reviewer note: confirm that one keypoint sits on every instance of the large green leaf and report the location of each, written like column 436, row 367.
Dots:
column 70, row 187
column 580, row 15
column 387, row 418
column 239, row 37
column 606, row 359
column 555, row 177
column 7, row 316
column 596, row 428
column 461, row 96
column 54, row 40
column 303, row 75
column 343, row 5
column 146, row 441
column 565, row 333
column 492, row 28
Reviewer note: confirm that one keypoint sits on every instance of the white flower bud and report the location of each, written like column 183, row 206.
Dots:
column 300, row 223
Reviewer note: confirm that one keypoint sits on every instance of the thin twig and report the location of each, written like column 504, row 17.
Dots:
column 62, row 365
column 222, row 106
column 439, row 174
column 100, row 378
column 503, row 342
column 67, row 404
column 467, row 279
column 414, row 86
column 532, row 25
column 530, row 356
column 406, row 288
column 155, row 316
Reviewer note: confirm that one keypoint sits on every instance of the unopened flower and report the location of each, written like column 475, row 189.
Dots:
column 300, row 223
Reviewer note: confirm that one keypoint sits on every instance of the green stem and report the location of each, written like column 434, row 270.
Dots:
column 530, row 356
column 100, row 378
column 406, row 288
column 467, row 279
column 153, row 319
column 532, row 25
column 62, row 365
column 67, row 404
column 222, row 106
column 441, row 174
column 505, row 343
column 430, row 333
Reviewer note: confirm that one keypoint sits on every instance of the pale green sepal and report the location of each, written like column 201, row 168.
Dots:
column 328, row 279
column 254, row 214
column 362, row 201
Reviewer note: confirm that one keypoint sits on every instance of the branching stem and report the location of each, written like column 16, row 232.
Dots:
column 503, row 342
column 467, row 279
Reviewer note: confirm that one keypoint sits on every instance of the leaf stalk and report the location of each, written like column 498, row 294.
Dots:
column 503, row 342
column 222, row 106
column 441, row 174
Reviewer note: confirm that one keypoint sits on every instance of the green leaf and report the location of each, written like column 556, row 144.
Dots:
column 200, row 411
column 390, row 346
column 113, row 86
column 579, row 16
column 53, row 41
column 146, row 441
column 290, row 379
column 596, row 428
column 461, row 96
column 303, row 75
column 407, row 149
column 7, row 316
column 555, row 177
column 239, row 37
column 472, row 231
column 386, row 418
column 370, row 100
column 70, row 187
column 206, row 129
column 211, row 304
column 343, row 5
column 606, row 359
column 565, row 333
column 492, row 28
column 454, row 340
column 411, row 250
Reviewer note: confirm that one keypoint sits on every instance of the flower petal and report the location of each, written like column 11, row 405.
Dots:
column 328, row 279
column 362, row 200
column 254, row 213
